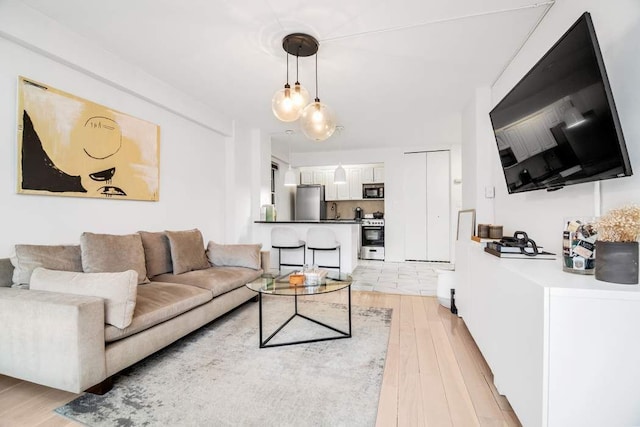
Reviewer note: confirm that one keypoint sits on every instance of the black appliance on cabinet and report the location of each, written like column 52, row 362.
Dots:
column 372, row 239
column 373, row 191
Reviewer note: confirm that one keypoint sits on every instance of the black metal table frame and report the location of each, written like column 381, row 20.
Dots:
column 265, row 343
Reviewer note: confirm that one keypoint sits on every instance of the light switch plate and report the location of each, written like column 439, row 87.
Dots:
column 489, row 192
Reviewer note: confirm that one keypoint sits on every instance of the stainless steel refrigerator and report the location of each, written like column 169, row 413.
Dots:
column 310, row 203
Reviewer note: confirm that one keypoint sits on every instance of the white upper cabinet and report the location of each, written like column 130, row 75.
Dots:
column 306, row 177
column 378, row 174
column 354, row 181
column 352, row 190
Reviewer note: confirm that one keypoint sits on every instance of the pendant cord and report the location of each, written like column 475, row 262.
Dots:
column 297, row 80
column 317, row 99
column 287, row 62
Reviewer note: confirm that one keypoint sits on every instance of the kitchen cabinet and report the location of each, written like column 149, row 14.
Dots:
column 306, row 177
column 352, row 190
column 426, row 200
column 354, row 181
column 531, row 136
column 371, row 174
column 319, row 177
column 378, row 174
column 330, row 192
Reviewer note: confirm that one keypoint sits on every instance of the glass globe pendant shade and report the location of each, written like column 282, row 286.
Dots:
column 340, row 175
column 284, row 107
column 318, row 122
column 290, row 178
column 300, row 96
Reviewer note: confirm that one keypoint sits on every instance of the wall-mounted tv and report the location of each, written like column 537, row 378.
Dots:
column 559, row 126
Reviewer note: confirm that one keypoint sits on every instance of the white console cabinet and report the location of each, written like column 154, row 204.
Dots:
column 563, row 348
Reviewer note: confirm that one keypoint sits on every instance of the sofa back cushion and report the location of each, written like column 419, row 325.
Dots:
column 110, row 253
column 119, row 290
column 157, row 252
column 187, row 251
column 29, row 257
column 234, row 255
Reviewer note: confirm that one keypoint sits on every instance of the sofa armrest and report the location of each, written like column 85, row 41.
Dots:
column 265, row 260
column 51, row 338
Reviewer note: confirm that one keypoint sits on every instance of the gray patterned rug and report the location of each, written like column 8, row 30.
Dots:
column 218, row 376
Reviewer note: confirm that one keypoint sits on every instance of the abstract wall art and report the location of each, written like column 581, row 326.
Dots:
column 69, row 146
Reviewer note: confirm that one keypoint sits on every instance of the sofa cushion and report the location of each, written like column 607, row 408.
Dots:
column 218, row 280
column 234, row 255
column 157, row 252
column 117, row 289
column 187, row 251
column 30, row 257
column 107, row 253
column 157, row 302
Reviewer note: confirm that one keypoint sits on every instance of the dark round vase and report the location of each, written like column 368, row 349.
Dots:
column 617, row 262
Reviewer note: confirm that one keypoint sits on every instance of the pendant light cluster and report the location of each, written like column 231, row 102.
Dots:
column 317, row 120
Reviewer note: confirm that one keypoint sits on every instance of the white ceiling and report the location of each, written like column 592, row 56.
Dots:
column 390, row 70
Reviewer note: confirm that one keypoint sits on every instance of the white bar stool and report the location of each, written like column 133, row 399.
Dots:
column 286, row 238
column 323, row 239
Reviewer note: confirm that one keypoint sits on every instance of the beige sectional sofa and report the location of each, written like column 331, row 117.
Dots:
column 61, row 340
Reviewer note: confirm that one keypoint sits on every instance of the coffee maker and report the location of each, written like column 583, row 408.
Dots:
column 358, row 213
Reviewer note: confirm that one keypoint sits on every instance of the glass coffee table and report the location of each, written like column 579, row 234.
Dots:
column 277, row 283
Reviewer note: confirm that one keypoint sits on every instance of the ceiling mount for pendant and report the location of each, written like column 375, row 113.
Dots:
column 300, row 44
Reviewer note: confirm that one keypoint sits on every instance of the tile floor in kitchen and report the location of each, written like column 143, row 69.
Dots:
column 410, row 278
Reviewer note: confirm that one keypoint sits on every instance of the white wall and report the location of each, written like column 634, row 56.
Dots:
column 541, row 213
column 479, row 155
column 192, row 151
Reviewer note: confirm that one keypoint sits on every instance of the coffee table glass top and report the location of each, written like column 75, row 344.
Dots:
column 276, row 282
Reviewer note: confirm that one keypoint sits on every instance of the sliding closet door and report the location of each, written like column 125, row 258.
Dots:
column 415, row 203
column 438, row 204
column 426, row 201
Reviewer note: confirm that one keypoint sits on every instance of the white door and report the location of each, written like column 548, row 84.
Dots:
column 426, row 202
column 438, row 228
column 415, row 202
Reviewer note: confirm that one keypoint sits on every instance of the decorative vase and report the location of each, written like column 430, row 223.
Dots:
column 617, row 262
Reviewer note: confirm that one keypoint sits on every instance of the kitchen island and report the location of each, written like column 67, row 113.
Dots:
column 347, row 233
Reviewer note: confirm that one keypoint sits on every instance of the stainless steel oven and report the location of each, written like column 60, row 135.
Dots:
column 372, row 239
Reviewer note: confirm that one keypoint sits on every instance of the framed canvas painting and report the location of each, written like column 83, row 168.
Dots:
column 69, row 146
column 466, row 224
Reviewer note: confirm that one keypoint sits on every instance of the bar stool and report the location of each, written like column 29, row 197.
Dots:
column 285, row 238
column 323, row 239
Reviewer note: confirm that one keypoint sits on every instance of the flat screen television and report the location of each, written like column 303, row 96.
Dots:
column 559, row 126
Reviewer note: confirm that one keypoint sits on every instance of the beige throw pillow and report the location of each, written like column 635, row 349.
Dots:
column 187, row 251
column 30, row 257
column 119, row 290
column 110, row 253
column 157, row 252
column 234, row 255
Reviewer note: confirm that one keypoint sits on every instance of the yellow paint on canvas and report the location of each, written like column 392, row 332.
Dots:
column 113, row 154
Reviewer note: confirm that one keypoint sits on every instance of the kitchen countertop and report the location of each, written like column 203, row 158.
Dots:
column 322, row 221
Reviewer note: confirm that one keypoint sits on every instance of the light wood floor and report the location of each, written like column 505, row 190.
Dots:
column 434, row 375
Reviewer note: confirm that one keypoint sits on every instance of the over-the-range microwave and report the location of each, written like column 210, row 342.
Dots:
column 373, row 191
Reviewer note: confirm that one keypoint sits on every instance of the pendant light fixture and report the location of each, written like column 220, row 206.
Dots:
column 287, row 104
column 290, row 176
column 340, row 175
column 318, row 121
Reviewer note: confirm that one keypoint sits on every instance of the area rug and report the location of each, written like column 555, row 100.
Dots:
column 218, row 376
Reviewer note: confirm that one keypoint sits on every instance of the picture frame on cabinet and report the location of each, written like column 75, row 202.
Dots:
column 466, row 224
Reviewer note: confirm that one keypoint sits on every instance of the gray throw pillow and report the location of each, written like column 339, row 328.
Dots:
column 187, row 251
column 119, row 290
column 234, row 255
column 30, row 257
column 157, row 252
column 110, row 253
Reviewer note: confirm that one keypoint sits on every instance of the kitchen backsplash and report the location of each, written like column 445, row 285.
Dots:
column 346, row 208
